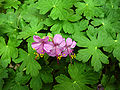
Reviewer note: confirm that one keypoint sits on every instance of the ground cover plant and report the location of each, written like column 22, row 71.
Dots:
column 59, row 44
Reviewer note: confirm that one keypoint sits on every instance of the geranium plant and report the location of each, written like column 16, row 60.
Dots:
column 59, row 44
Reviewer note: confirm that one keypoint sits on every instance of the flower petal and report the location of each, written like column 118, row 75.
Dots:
column 48, row 47
column 52, row 53
column 62, row 44
column 45, row 39
column 36, row 45
column 37, row 38
column 57, row 39
column 40, row 50
column 73, row 44
column 68, row 41
column 58, row 51
column 65, row 53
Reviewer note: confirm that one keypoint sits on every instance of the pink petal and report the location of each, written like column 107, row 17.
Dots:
column 65, row 53
column 62, row 44
column 48, row 47
column 57, row 39
column 36, row 45
column 37, row 38
column 69, row 50
column 40, row 50
column 73, row 44
column 68, row 41
column 46, row 39
column 58, row 51
column 52, row 53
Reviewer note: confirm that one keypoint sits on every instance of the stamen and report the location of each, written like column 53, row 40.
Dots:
column 33, row 48
column 37, row 55
column 73, row 56
column 41, row 55
column 59, row 57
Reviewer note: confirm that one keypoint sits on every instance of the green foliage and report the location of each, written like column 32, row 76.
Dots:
column 44, row 75
column 110, row 83
column 60, row 9
column 12, row 3
column 93, row 24
column 29, row 63
column 17, row 80
column 80, row 74
column 90, row 8
column 8, row 50
column 92, row 46
column 3, row 74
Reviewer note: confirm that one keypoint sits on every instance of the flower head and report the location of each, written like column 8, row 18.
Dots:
column 55, row 47
column 68, row 49
column 38, row 45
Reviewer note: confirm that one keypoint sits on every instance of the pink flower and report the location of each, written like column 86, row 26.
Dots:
column 68, row 50
column 38, row 45
column 55, row 47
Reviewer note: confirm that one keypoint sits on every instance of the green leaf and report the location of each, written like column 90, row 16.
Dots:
column 114, row 47
column 19, row 87
column 29, row 16
column 74, row 17
column 56, row 28
column 30, row 30
column 109, row 24
column 90, row 8
column 68, row 27
column 92, row 46
column 3, row 74
column 80, row 74
column 8, row 51
column 36, row 83
column 59, row 9
column 21, row 78
column 12, row 3
column 29, row 63
column 16, row 81
column 44, row 75
column 109, row 82
column 1, row 83
column 10, row 22
column 80, row 26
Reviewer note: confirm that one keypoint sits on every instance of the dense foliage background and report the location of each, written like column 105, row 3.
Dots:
column 93, row 24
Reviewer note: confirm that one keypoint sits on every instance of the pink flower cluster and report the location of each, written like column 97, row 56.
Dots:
column 57, row 47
